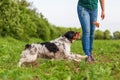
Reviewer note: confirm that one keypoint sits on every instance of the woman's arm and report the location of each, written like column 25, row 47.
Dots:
column 102, row 3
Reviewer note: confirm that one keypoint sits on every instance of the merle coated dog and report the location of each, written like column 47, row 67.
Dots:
column 57, row 49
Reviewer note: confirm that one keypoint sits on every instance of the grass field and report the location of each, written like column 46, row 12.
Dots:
column 107, row 67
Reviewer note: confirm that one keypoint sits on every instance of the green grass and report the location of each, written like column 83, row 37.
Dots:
column 107, row 53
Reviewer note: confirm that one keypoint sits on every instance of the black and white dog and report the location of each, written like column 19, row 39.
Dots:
column 57, row 49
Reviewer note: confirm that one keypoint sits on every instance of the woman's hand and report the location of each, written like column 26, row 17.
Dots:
column 102, row 15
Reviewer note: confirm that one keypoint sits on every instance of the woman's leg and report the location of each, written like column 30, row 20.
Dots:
column 84, row 18
column 93, row 18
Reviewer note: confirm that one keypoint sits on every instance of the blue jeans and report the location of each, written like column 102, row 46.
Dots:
column 87, row 17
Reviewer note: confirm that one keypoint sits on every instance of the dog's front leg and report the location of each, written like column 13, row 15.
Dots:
column 70, row 56
column 75, row 57
column 81, row 56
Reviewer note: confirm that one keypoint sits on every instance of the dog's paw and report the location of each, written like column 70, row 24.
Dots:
column 86, row 56
column 77, row 60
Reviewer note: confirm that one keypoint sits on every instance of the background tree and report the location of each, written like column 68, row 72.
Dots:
column 99, row 34
column 107, row 35
column 116, row 35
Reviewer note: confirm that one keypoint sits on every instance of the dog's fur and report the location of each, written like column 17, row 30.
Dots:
column 57, row 49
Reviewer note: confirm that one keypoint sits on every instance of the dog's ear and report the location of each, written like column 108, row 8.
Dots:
column 69, row 35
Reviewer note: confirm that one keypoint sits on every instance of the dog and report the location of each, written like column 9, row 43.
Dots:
column 55, row 49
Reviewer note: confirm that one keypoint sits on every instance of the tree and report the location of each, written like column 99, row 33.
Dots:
column 20, row 22
column 116, row 35
column 99, row 34
column 107, row 35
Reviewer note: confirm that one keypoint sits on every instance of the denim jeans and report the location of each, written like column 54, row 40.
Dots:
column 87, row 17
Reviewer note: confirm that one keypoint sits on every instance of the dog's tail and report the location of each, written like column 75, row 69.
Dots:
column 27, row 46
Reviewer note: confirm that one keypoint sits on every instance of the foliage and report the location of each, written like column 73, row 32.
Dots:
column 116, row 35
column 99, row 34
column 19, row 21
column 107, row 35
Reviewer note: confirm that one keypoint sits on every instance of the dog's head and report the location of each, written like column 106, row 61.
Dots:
column 72, row 36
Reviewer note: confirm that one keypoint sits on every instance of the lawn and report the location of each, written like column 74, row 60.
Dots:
column 107, row 66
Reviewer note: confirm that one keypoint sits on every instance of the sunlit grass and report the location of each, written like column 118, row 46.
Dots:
column 107, row 53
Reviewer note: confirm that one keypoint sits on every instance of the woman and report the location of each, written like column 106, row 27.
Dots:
column 87, row 13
